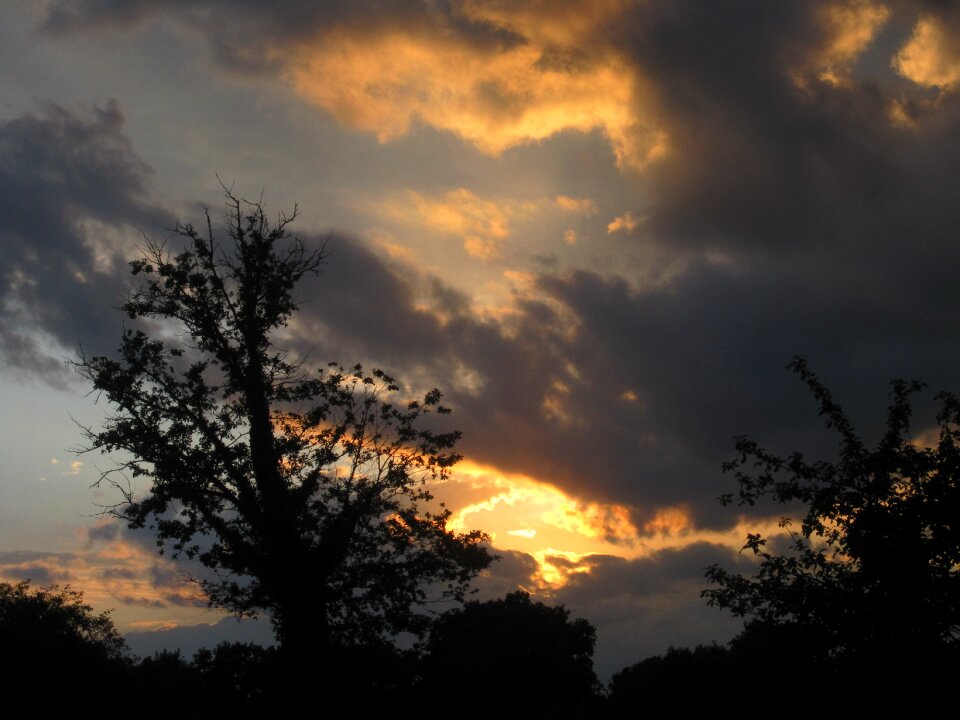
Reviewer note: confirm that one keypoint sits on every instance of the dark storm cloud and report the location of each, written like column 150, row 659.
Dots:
column 60, row 172
column 514, row 570
column 229, row 25
column 769, row 158
column 365, row 305
column 704, row 357
column 812, row 223
column 642, row 607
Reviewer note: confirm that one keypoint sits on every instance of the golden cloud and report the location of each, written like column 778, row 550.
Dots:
column 628, row 221
column 583, row 206
column 931, row 57
column 572, row 23
column 561, row 532
column 494, row 96
column 847, row 30
column 114, row 573
column 482, row 224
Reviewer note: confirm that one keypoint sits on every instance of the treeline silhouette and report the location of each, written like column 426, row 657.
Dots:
column 507, row 658
column 305, row 493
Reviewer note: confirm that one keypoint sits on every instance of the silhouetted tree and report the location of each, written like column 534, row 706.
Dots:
column 238, row 678
column 54, row 647
column 512, row 658
column 303, row 491
column 871, row 582
column 681, row 679
column 168, row 685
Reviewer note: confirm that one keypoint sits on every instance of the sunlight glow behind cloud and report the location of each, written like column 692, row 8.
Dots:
column 562, row 533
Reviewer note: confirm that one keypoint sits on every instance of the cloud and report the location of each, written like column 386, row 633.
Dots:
column 482, row 224
column 104, row 529
column 188, row 639
column 628, row 221
column 59, row 173
column 42, row 568
column 581, row 206
column 113, row 566
column 931, row 57
column 74, row 468
column 497, row 75
column 847, row 28
column 641, row 607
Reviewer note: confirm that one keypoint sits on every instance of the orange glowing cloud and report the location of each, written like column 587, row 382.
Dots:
column 481, row 223
column 583, row 206
column 572, row 23
column 556, row 566
column 561, row 533
column 494, row 96
column 931, row 57
column 114, row 574
column 847, row 29
column 628, row 221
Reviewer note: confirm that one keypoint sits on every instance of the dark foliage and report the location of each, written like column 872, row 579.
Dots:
column 871, row 583
column 232, row 680
column 681, row 679
column 54, row 647
column 512, row 658
column 303, row 491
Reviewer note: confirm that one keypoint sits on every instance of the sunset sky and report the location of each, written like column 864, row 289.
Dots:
column 602, row 227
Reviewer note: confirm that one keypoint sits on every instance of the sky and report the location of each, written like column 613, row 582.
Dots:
column 602, row 227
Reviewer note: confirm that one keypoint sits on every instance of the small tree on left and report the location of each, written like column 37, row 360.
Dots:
column 302, row 491
column 49, row 637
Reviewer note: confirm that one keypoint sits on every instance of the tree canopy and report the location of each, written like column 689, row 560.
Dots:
column 50, row 632
column 512, row 657
column 50, row 621
column 872, row 578
column 302, row 490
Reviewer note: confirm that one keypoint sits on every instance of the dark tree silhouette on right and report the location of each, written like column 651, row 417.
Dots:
column 871, row 581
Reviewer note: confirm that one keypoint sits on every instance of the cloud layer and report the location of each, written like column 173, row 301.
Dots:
column 781, row 181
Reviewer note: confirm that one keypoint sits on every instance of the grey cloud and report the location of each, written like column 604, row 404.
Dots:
column 14, row 557
column 103, row 532
column 759, row 164
column 58, row 171
column 119, row 574
column 37, row 574
column 836, row 231
column 229, row 25
column 165, row 577
column 189, row 639
column 181, row 601
column 641, row 607
column 514, row 570
column 137, row 601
